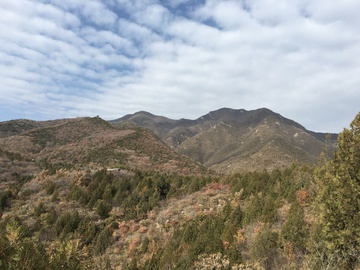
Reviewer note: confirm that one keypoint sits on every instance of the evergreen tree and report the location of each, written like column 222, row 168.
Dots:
column 103, row 241
column 103, row 209
column 5, row 197
column 294, row 230
column 339, row 199
column 17, row 250
column 264, row 247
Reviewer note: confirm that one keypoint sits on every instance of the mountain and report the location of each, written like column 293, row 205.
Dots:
column 225, row 140
column 63, row 205
column 230, row 140
column 86, row 142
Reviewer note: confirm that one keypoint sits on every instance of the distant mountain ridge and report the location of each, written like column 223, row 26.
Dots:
column 226, row 140
column 231, row 140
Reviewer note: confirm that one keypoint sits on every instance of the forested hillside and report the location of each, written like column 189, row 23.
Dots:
column 88, row 217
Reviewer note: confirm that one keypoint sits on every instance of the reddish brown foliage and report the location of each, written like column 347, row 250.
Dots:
column 302, row 196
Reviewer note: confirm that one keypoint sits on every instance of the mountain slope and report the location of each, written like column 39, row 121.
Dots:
column 231, row 140
column 90, row 142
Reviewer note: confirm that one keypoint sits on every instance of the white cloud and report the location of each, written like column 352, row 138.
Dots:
column 95, row 11
column 226, row 14
column 98, row 13
column 181, row 59
column 273, row 13
column 334, row 11
column 154, row 16
column 103, row 38
column 136, row 32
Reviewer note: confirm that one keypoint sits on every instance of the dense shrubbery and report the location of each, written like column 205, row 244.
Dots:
column 5, row 198
column 136, row 195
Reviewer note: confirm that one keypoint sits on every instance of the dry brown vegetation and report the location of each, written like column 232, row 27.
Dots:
column 75, row 143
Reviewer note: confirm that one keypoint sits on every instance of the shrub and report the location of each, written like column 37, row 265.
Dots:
column 103, row 209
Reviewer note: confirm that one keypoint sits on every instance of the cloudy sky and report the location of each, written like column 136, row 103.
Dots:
column 181, row 58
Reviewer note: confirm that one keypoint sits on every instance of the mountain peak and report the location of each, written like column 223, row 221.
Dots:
column 144, row 113
column 222, row 113
column 236, row 139
column 138, row 114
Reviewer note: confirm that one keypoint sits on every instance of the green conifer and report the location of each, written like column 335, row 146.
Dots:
column 339, row 199
column 295, row 229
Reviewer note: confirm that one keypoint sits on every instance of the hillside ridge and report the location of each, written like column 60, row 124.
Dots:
column 91, row 142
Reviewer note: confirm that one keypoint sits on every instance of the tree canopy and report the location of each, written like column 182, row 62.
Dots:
column 339, row 199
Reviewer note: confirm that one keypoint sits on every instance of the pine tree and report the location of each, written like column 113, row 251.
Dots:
column 294, row 230
column 103, row 241
column 103, row 209
column 339, row 199
column 264, row 248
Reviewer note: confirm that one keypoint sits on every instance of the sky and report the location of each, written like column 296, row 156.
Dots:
column 181, row 58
